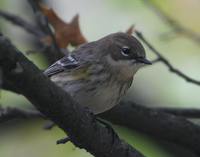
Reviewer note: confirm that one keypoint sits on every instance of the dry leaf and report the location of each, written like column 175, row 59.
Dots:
column 65, row 33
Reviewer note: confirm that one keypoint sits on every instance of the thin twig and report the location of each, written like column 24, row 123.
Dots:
column 39, row 33
column 63, row 140
column 162, row 59
column 43, row 23
column 10, row 113
column 182, row 112
column 22, row 23
column 177, row 27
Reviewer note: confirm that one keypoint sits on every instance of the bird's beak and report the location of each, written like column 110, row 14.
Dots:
column 143, row 60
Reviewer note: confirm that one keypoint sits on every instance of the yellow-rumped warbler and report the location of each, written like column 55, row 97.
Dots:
column 98, row 74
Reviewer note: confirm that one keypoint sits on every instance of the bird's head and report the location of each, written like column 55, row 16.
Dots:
column 123, row 53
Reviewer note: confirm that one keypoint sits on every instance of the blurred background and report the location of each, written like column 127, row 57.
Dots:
column 153, row 86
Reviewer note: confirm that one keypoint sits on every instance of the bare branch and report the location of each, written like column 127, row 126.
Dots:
column 63, row 140
column 158, row 124
column 21, row 75
column 48, row 51
column 182, row 112
column 43, row 23
column 177, row 27
column 30, row 28
column 161, row 58
column 10, row 113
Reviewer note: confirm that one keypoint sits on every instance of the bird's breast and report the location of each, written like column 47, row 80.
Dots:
column 100, row 93
column 101, row 98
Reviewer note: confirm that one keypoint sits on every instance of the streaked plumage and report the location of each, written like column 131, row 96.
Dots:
column 97, row 74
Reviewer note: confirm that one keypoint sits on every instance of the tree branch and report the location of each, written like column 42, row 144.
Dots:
column 42, row 21
column 181, row 112
column 161, row 58
column 158, row 124
column 25, row 78
column 30, row 28
column 48, row 51
column 11, row 113
column 177, row 27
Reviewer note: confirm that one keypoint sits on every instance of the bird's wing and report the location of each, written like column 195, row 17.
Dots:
column 65, row 63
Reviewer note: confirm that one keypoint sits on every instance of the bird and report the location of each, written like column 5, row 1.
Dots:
column 98, row 74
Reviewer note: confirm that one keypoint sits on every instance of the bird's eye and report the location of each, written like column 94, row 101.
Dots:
column 125, row 51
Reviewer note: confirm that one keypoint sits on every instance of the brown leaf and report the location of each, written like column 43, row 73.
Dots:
column 65, row 33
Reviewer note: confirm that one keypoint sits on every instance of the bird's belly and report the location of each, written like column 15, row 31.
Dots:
column 103, row 100
column 97, row 99
column 97, row 96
